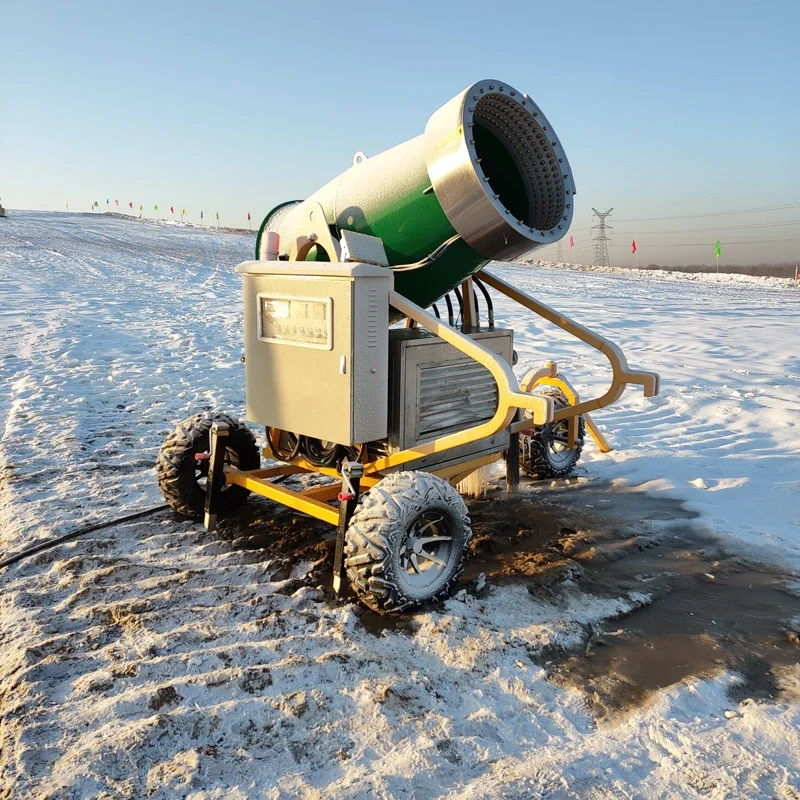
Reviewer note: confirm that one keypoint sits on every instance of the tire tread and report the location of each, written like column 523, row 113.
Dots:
column 175, row 463
column 378, row 518
column 534, row 458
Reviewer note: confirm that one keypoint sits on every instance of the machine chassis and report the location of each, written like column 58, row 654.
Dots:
column 354, row 477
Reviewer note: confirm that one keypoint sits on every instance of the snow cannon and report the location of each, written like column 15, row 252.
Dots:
column 373, row 364
column 487, row 180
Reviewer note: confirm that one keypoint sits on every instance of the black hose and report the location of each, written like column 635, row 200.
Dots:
column 435, row 311
column 477, row 320
column 460, row 316
column 318, row 455
column 275, row 454
column 488, row 297
column 274, row 451
column 298, row 442
column 450, row 321
column 50, row 543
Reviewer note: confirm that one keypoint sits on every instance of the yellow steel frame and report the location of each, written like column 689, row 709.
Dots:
column 511, row 396
column 313, row 501
column 622, row 375
column 549, row 376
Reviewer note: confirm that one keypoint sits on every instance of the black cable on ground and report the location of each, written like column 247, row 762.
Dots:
column 50, row 543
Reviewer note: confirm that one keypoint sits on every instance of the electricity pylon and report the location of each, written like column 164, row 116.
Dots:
column 601, row 240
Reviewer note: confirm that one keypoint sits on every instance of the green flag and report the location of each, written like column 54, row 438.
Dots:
column 155, row 208
column 717, row 249
column 217, row 216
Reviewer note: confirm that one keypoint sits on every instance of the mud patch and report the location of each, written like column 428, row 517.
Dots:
column 709, row 610
column 263, row 531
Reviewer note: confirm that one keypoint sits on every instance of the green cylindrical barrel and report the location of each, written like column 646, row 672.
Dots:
column 488, row 173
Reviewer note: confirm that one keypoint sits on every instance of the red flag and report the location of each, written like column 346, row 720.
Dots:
column 633, row 245
column 571, row 242
column 248, row 216
column 116, row 203
column 130, row 205
column 171, row 209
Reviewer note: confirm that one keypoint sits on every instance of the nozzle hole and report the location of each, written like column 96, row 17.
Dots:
column 504, row 136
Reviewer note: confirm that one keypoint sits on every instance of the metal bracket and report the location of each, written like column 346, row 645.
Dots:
column 512, row 460
column 362, row 247
column 312, row 231
column 216, row 473
column 352, row 472
column 469, row 317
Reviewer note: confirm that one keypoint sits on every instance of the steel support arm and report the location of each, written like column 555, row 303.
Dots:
column 622, row 374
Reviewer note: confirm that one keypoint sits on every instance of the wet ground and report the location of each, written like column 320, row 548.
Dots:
column 704, row 609
column 710, row 609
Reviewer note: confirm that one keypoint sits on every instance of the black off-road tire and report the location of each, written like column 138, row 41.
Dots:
column 537, row 458
column 391, row 512
column 178, row 472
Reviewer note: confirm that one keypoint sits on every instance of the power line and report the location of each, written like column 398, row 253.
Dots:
column 670, row 231
column 715, row 213
column 683, row 237
column 601, row 240
column 707, row 243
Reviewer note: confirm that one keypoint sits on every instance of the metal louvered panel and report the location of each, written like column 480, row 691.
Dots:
column 436, row 390
column 372, row 318
column 454, row 396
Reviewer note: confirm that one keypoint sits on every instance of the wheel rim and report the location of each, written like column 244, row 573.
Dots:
column 558, row 445
column 426, row 551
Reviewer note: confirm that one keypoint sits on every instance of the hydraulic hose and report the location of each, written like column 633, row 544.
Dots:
column 50, row 543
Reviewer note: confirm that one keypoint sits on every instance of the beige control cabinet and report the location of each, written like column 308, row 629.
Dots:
column 316, row 348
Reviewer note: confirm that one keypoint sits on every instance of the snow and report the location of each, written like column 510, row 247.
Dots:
column 724, row 434
column 155, row 660
column 672, row 275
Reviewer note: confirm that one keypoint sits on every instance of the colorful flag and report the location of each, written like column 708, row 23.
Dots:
column 183, row 212
column 140, row 209
column 155, row 207
column 217, row 216
column 717, row 249
column 67, row 205
column 633, row 245
column 108, row 202
column 201, row 215
column 116, row 203
column 248, row 216
column 172, row 209
column 571, row 242
column 130, row 204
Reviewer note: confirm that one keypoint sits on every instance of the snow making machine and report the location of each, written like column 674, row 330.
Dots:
column 372, row 358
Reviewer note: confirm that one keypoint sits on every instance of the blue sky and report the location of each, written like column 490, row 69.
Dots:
column 664, row 109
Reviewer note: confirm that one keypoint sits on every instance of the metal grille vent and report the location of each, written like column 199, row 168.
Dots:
column 453, row 396
column 372, row 318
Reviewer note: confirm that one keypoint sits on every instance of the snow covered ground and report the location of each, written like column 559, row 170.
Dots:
column 724, row 435
column 665, row 274
column 154, row 660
